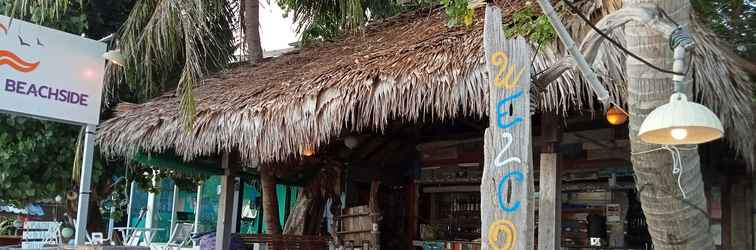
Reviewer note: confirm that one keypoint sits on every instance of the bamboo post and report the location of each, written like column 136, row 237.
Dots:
column 506, row 186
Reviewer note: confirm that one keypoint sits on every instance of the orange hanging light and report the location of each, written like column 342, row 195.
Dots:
column 615, row 116
column 308, row 150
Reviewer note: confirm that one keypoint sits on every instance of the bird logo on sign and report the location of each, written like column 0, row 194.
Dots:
column 13, row 60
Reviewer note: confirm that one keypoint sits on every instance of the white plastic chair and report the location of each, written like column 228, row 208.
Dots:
column 96, row 239
column 134, row 238
column 180, row 236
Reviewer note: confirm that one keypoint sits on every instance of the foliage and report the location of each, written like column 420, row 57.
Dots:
column 458, row 12
column 118, row 201
column 733, row 21
column 35, row 158
column 528, row 23
column 40, row 11
column 7, row 226
column 326, row 20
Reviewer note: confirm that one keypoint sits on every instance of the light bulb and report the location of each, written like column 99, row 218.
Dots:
column 679, row 133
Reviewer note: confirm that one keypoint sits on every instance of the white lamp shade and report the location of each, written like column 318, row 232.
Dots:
column 691, row 122
column 114, row 56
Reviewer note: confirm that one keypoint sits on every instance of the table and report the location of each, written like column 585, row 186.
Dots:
column 130, row 231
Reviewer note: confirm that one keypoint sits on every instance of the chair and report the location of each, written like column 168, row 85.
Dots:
column 96, row 239
column 180, row 236
column 134, row 238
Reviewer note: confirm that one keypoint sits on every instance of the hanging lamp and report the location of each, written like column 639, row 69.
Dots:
column 615, row 116
column 680, row 121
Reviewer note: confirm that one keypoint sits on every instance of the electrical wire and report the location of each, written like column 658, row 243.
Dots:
column 615, row 43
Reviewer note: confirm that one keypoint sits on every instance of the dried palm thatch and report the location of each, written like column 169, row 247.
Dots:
column 410, row 67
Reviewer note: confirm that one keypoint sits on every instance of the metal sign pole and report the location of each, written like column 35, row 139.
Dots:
column 86, row 176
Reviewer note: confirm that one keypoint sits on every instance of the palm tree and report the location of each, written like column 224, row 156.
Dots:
column 252, row 30
column 673, row 222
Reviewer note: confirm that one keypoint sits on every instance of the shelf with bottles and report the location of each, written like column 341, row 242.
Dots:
column 458, row 231
column 460, row 203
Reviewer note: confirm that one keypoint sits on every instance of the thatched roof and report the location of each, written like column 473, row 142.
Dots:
column 410, row 67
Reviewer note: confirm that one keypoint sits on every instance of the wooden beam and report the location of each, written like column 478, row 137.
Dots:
column 225, row 206
column 622, row 153
column 550, row 191
column 507, row 185
column 603, row 137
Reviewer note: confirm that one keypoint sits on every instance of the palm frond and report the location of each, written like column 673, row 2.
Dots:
column 43, row 10
column 174, row 44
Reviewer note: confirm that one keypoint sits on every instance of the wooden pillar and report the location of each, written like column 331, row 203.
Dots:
column 737, row 209
column 239, row 204
column 550, row 203
column 413, row 196
column 225, row 223
column 506, row 187
column 269, row 201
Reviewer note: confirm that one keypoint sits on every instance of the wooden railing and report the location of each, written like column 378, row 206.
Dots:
column 285, row 242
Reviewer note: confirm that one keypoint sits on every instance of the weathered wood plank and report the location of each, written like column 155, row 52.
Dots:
column 550, row 205
column 506, row 187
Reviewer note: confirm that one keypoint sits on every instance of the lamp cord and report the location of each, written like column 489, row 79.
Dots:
column 615, row 43
column 677, row 165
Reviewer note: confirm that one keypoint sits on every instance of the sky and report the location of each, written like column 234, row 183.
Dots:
column 276, row 32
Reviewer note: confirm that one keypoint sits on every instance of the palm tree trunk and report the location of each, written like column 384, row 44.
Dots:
column 673, row 222
column 269, row 201
column 252, row 30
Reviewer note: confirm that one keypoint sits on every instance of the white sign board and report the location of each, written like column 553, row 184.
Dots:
column 49, row 74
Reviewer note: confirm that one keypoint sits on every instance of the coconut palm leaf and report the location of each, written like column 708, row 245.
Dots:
column 174, row 43
column 45, row 10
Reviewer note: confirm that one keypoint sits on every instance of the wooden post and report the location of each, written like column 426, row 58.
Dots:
column 737, row 210
column 550, row 204
column 375, row 215
column 239, row 204
column 506, row 187
column 225, row 223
